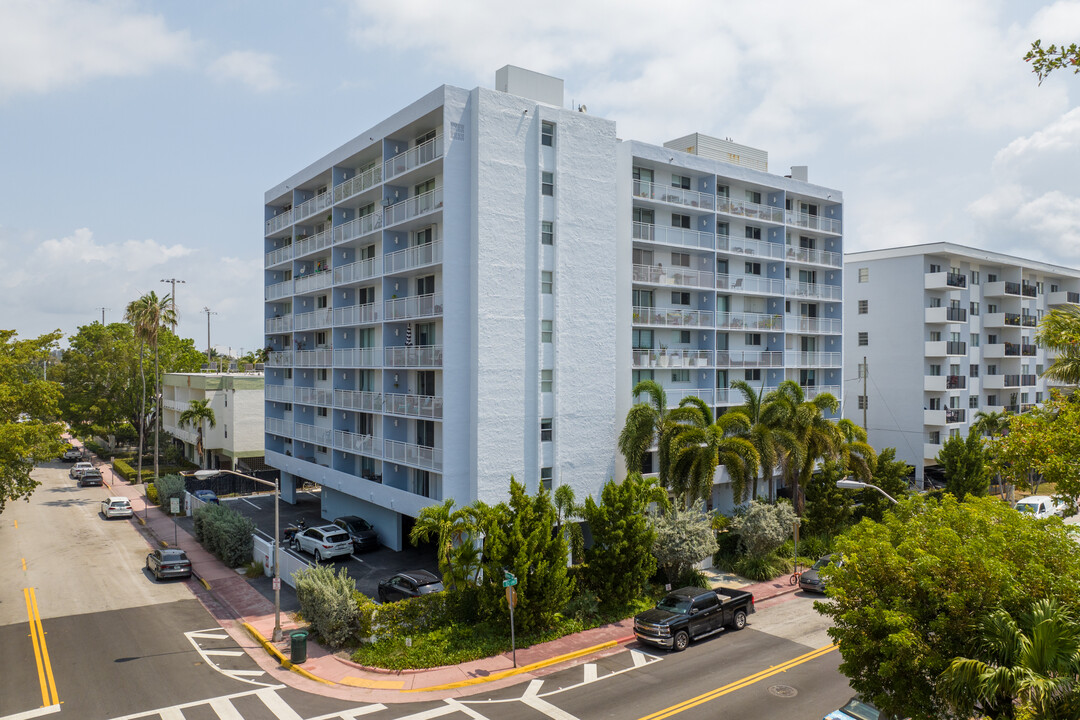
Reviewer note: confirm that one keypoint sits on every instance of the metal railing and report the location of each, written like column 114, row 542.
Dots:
column 358, row 271
column 279, row 324
column 319, row 357
column 279, row 290
column 315, row 319
column 672, row 318
column 316, row 281
column 677, row 196
column 281, row 393
column 421, row 456
column 749, row 358
column 813, row 222
column 673, row 236
column 418, row 406
column 749, row 321
column 280, row 358
column 413, row 157
column 815, row 257
column 414, row 257
column 812, row 359
column 679, row 276
column 750, row 284
column 747, row 246
column 305, row 245
column 279, row 221
column 357, row 314
column 282, row 254
column 313, row 396
column 312, row 206
column 278, row 426
column 359, row 227
column 367, row 357
column 353, row 442
column 312, row 433
column 416, row 356
column 413, row 207
column 358, row 183
column 804, row 324
column 414, row 306
column 671, row 358
column 358, row 400
column 814, row 290
column 754, row 211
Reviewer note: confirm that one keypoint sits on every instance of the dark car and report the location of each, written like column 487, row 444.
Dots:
column 91, row 477
column 811, row 579
column 168, row 563
column 207, row 496
column 409, row 585
column 364, row 537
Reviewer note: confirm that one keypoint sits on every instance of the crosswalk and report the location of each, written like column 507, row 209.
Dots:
column 220, row 651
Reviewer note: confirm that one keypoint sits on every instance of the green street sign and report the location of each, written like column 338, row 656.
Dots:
column 511, row 582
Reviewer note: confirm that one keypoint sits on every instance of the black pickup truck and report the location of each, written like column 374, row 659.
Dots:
column 690, row 613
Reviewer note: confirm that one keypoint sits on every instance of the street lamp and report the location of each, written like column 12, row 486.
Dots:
column 202, row 475
column 849, row 484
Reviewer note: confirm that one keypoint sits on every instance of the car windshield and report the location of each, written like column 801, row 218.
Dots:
column 1025, row 507
column 430, row 588
column 861, row 711
column 675, row 604
column 338, row 538
column 823, row 562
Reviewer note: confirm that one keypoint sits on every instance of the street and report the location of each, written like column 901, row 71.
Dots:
column 85, row 632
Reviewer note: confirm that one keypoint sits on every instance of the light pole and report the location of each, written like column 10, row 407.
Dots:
column 172, row 296
column 102, row 309
column 202, row 474
column 208, row 312
column 849, row 484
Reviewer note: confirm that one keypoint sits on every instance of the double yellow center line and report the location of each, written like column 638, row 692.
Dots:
column 41, row 652
column 739, row 684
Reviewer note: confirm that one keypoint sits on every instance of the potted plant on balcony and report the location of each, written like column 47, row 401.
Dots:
column 662, row 359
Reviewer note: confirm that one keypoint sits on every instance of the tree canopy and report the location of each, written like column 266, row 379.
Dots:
column 964, row 461
column 1053, row 57
column 1043, row 443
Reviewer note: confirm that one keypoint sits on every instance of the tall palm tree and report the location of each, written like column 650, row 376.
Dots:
column 817, row 437
column 133, row 314
column 150, row 315
column 198, row 413
column 1034, row 661
column 857, row 455
column 1060, row 330
column 699, row 444
column 766, row 432
column 648, row 423
column 992, row 423
column 450, row 528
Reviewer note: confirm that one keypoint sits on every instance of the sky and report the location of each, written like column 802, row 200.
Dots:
column 137, row 138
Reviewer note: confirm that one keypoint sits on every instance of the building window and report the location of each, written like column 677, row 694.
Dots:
column 680, row 298
column 752, row 233
column 320, row 302
column 991, row 399
column 1039, row 287
column 226, row 431
column 545, row 478
column 545, row 330
column 545, row 430
column 321, row 374
column 973, row 402
column 321, row 412
column 974, row 277
column 547, row 183
column 864, row 307
column 684, row 337
column 752, row 268
column 934, row 437
column 547, row 233
column 753, row 339
column 547, row 134
column 680, row 181
column 680, row 376
column 1038, row 397
column 991, row 277
column 547, row 281
column 973, row 370
column 864, row 274
column 974, row 308
column 860, row 371
column 546, row 381
column 680, row 259
column 752, row 375
column 864, row 339
column 935, row 370
column 863, row 402
column 974, row 339
column 680, row 221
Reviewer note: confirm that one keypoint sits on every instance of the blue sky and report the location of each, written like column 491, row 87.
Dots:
column 138, row 138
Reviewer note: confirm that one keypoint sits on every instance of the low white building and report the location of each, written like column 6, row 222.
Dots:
column 236, row 440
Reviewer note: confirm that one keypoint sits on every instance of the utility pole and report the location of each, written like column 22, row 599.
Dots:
column 172, row 299
column 208, row 314
column 866, row 400
column 102, row 309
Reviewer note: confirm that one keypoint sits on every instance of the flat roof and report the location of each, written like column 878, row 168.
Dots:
column 947, row 248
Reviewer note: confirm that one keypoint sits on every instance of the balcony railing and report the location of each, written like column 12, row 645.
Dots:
column 358, row 183
column 813, row 222
column 280, row 393
column 815, row 257
column 352, row 442
column 1062, row 297
column 278, row 426
column 668, row 194
column 357, row 314
column 955, row 382
column 420, row 456
column 314, row 396
column 811, row 392
column 359, row 227
column 279, row 221
column 1028, row 290
column 803, row 324
column 414, row 157
column 411, row 357
column 358, row 400
column 312, row 433
column 812, row 359
column 316, row 319
column 675, row 396
column 749, row 358
column 1028, row 350
column 750, row 284
column 317, row 281
column 671, row 358
column 418, row 406
column 1028, row 320
column 679, row 276
column 673, row 236
column 746, row 246
column 414, row 306
column 955, row 415
column 672, row 318
column 280, row 358
column 312, row 206
column 744, row 208
column 955, row 314
column 307, row 245
column 956, row 347
column 1012, row 380
column 413, row 207
column 749, row 321
column 1012, row 288
column 279, row 324
column 320, row 357
column 1029, row 380
column 414, row 257
column 814, row 290
column 368, row 357
column 279, row 290
column 358, row 271
column 282, row 254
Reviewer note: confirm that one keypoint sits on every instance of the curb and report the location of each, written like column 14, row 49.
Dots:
column 282, row 660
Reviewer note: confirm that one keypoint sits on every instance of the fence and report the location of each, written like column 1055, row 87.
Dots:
column 290, row 563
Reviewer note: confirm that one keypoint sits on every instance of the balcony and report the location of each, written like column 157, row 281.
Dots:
column 279, row 290
column 749, row 358
column 934, row 418
column 357, row 314
column 367, row 357
column 813, row 222
column 746, row 209
column 352, row 442
column 359, row 227
column 814, row 325
column 312, row 433
column 316, row 281
column 1001, row 288
column 931, row 450
column 282, row 219
column 314, row 396
column 944, row 281
column 414, row 306
column 1029, row 380
column 414, row 157
column 319, row 358
column 677, row 276
column 427, row 458
column 310, row 207
column 414, row 257
column 999, row 382
column 940, row 315
column 422, row 356
column 358, row 271
column 672, row 318
column 812, row 359
column 276, row 257
column 305, row 245
column 1028, row 289
column 358, row 183
column 416, row 406
column 1028, row 321
column 1001, row 350
column 673, row 236
column 813, row 290
column 671, row 358
column 955, row 415
column 955, row 382
column 279, row 393
column 1028, row 350
column 956, row 347
column 812, row 391
column 677, row 196
column 934, row 383
column 749, row 321
column 674, row 397
column 1063, row 297
column 280, row 358
column 750, row 284
column 358, row 400
column 1001, row 319
column 315, row 319
column 413, row 207
column 815, row 257
column 941, row 348
column 279, row 325
column 746, row 246
column 278, row 426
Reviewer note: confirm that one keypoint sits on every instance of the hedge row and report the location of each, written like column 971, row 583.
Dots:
column 225, row 533
column 124, row 470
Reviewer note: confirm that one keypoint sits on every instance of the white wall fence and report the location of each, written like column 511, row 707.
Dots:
column 290, row 563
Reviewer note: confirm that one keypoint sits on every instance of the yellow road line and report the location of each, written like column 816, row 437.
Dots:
column 16, row 524
column 739, row 684
column 39, row 640
column 37, row 651
column 24, row 564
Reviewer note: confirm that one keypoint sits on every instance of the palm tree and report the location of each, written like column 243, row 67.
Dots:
column 992, row 423
column 1034, row 661
column 698, row 444
column 149, row 314
column 646, row 423
column 766, row 433
column 1060, row 331
column 198, row 412
column 858, row 456
column 450, row 528
column 816, row 436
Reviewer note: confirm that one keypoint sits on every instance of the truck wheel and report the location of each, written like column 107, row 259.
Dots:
column 681, row 641
column 738, row 622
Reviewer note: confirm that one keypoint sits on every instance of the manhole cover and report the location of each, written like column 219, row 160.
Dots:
column 783, row 690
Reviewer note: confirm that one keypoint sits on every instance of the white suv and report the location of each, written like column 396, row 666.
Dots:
column 115, row 507
column 78, row 469
column 325, row 541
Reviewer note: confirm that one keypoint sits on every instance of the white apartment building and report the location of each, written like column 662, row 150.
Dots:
column 470, row 289
column 236, row 440
column 946, row 331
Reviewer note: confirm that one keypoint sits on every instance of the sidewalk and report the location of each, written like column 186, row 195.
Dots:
column 249, row 619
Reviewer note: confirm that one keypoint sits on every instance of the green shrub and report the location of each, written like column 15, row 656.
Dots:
column 762, row 567
column 426, row 613
column 168, row 487
column 328, row 604
column 584, row 606
column 225, row 533
column 151, row 493
column 124, row 470
column 254, row 569
column 98, row 450
column 692, row 577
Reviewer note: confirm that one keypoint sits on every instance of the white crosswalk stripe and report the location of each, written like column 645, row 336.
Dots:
column 276, row 705
column 224, row 708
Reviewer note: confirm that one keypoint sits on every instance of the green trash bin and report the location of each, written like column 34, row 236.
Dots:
column 299, row 647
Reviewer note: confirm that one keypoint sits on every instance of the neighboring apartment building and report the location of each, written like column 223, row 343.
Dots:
column 469, row 290
column 236, row 440
column 946, row 331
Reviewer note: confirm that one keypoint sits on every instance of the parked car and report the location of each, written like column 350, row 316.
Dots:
column 78, row 469
column 116, row 507
column 72, row 455
column 858, row 709
column 91, row 477
column 691, row 613
column 364, row 537
column 811, row 579
column 207, row 496
column 1040, row 506
column 409, row 585
column 168, row 563
column 324, row 542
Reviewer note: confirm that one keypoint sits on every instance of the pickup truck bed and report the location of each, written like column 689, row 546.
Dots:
column 691, row 613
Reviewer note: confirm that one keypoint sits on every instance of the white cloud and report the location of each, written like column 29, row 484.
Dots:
column 48, row 44
column 254, row 69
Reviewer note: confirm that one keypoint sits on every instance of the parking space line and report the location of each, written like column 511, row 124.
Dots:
column 250, row 503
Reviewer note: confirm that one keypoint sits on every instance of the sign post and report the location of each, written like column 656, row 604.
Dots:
column 509, row 581
column 174, row 510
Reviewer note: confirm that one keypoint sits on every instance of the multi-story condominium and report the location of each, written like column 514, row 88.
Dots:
column 236, row 440
column 946, row 331
column 470, row 289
